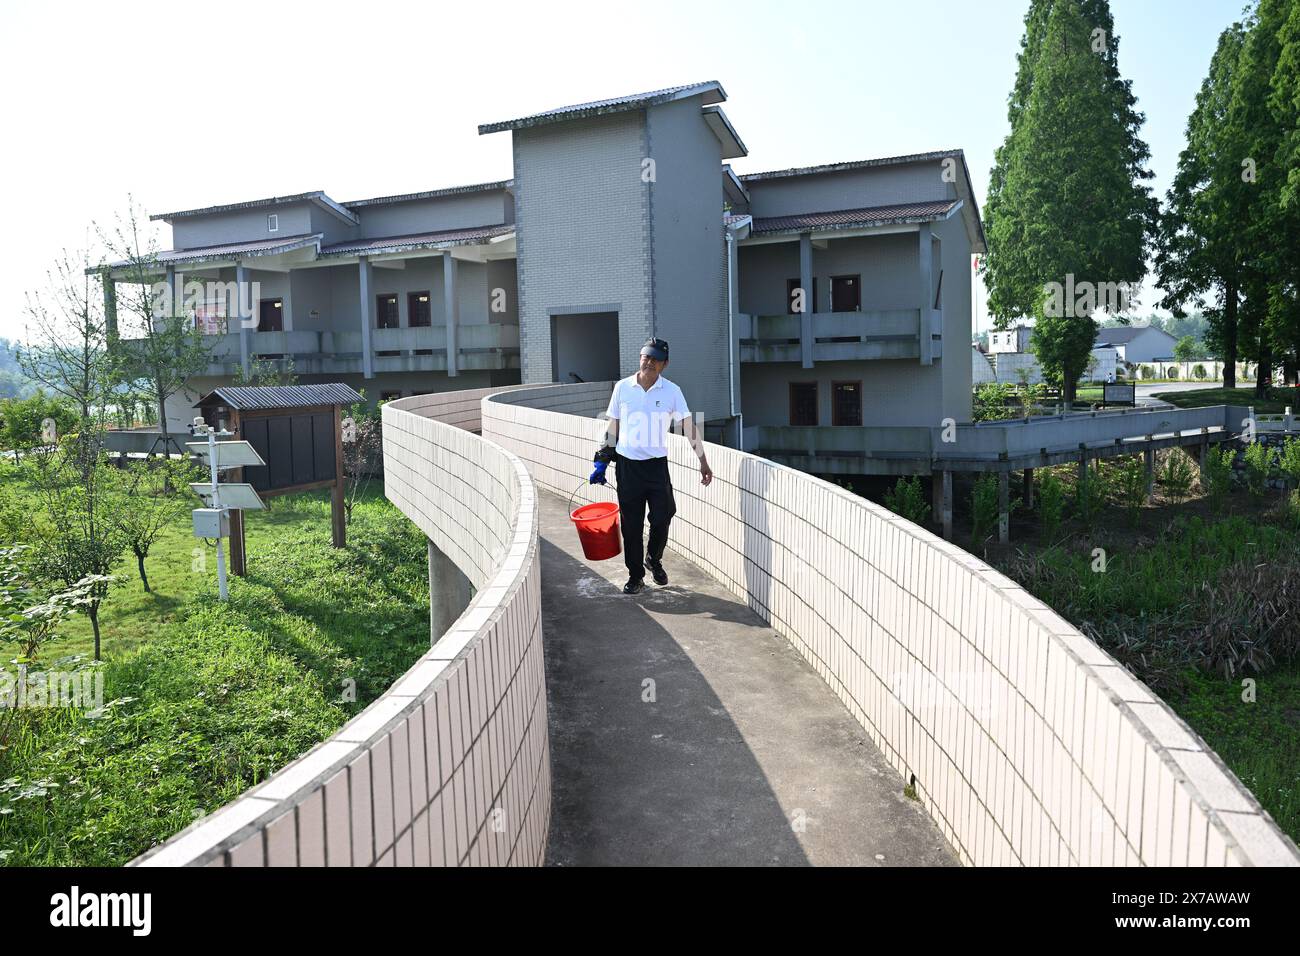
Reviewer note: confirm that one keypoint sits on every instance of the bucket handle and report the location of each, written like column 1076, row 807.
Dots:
column 579, row 488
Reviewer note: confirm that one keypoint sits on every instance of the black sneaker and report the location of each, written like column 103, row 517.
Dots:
column 634, row 586
column 657, row 569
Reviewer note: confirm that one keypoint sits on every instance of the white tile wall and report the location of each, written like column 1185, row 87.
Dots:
column 414, row 776
column 1075, row 762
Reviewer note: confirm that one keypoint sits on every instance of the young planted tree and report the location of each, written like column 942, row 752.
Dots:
column 77, row 535
column 1067, row 200
column 153, row 501
column 160, row 345
column 67, row 346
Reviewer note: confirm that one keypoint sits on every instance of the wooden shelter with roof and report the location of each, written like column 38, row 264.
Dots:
column 298, row 431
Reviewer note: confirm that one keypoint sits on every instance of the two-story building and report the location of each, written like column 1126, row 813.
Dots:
column 803, row 301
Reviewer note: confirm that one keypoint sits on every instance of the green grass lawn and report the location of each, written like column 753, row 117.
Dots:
column 1177, row 585
column 207, row 699
column 1275, row 404
column 1259, row 740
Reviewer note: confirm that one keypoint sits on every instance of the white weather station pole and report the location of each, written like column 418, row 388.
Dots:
column 213, row 521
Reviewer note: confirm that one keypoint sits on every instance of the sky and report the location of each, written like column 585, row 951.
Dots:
column 187, row 105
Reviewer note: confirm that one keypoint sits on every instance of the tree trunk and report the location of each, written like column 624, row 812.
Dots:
column 94, row 625
column 1230, row 334
column 139, row 560
column 1069, row 384
column 1264, row 372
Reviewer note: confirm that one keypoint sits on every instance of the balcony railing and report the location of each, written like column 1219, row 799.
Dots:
column 424, row 348
column 841, row 336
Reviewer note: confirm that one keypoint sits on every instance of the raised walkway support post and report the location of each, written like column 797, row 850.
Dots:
column 1149, row 460
column 1028, row 495
column 1004, row 507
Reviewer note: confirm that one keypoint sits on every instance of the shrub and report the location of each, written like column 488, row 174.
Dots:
column 1091, row 493
column 1051, row 504
column 1176, row 474
column 1171, row 372
column 991, row 402
column 907, row 500
column 1146, row 371
column 1198, row 371
column 1288, row 461
column 1216, row 476
column 1131, row 486
column 984, row 508
column 1259, row 462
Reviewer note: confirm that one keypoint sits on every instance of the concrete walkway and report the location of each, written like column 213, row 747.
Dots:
column 685, row 731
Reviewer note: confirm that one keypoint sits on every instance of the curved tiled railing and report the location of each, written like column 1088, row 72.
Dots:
column 1026, row 742
column 451, row 765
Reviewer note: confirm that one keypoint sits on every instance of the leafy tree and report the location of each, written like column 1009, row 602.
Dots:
column 1185, row 349
column 21, row 421
column 362, row 452
column 1067, row 196
column 161, row 345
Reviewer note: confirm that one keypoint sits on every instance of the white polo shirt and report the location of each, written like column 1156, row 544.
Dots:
column 644, row 416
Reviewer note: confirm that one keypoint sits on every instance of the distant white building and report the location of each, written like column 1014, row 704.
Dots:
column 1136, row 344
column 1010, row 340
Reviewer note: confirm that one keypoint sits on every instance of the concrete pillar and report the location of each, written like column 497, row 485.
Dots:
column 1028, row 494
column 110, row 306
column 1149, row 460
column 925, row 278
column 936, row 496
column 733, row 299
column 449, row 593
column 946, row 495
column 1083, row 463
column 1004, row 506
column 806, row 339
column 452, row 306
column 366, row 273
column 243, row 318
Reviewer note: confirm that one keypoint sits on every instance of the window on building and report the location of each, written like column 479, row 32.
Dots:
column 846, row 293
column 386, row 316
column 803, row 403
column 791, row 287
column 421, row 316
column 272, row 223
column 846, row 403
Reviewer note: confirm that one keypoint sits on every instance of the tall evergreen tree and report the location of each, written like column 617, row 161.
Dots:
column 1266, row 228
column 1067, row 196
column 1199, row 252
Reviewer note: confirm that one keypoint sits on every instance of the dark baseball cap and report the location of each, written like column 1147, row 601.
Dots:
column 656, row 348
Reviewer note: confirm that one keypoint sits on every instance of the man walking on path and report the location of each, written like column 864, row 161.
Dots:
column 641, row 409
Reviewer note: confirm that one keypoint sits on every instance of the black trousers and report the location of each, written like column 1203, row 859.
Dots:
column 642, row 483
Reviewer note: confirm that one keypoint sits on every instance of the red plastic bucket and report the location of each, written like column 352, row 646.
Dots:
column 597, row 526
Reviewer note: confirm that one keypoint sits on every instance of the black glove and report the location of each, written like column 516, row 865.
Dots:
column 605, row 453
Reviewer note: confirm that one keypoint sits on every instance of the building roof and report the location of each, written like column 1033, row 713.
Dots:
column 246, row 397
column 855, row 164
column 712, row 90
column 243, row 250
column 426, row 240
column 431, row 194
column 857, row 218
column 1123, row 334
column 317, row 198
